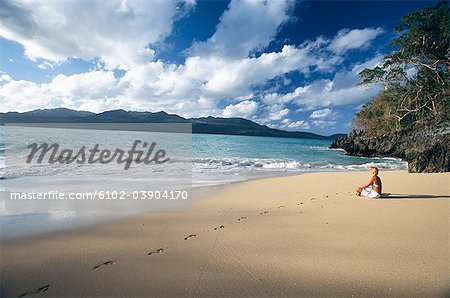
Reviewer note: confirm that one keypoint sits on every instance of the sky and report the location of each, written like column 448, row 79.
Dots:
column 291, row 65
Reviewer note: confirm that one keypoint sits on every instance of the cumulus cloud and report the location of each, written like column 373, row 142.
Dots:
column 118, row 32
column 21, row 95
column 347, row 39
column 242, row 109
column 323, row 123
column 325, row 113
column 4, row 77
column 245, row 26
column 325, row 93
column 277, row 112
column 232, row 78
column 192, row 88
column 343, row 89
column 300, row 124
column 227, row 66
column 94, row 91
column 289, row 124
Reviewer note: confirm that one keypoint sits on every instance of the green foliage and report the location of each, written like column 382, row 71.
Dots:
column 416, row 76
column 378, row 117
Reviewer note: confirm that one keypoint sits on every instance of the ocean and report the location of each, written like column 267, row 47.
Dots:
column 197, row 160
column 219, row 159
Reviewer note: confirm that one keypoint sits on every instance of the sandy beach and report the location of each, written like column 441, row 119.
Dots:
column 305, row 235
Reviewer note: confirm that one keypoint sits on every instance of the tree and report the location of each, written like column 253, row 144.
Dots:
column 417, row 75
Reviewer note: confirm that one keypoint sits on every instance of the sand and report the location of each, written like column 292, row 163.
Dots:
column 305, row 235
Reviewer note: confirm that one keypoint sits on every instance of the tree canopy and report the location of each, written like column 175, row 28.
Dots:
column 416, row 76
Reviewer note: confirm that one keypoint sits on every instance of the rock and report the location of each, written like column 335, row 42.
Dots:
column 425, row 150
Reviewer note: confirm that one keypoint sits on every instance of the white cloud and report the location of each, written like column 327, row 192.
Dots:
column 300, row 124
column 224, row 67
column 323, row 123
column 277, row 112
column 23, row 95
column 321, row 113
column 245, row 26
column 325, row 113
column 46, row 65
column 343, row 89
column 116, row 31
column 4, row 77
column 94, row 84
column 289, row 124
column 353, row 39
column 231, row 78
column 183, row 88
column 96, row 91
column 242, row 109
column 193, row 88
column 325, row 93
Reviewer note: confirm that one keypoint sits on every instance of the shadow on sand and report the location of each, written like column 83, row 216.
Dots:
column 410, row 196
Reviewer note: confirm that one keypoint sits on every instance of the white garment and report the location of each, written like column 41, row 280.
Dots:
column 369, row 193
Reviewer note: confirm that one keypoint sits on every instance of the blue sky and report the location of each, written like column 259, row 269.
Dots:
column 287, row 64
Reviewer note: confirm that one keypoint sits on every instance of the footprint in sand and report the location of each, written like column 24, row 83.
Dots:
column 282, row 206
column 301, row 203
column 242, row 218
column 190, row 236
column 107, row 263
column 265, row 212
column 158, row 251
column 217, row 228
column 38, row 291
column 313, row 199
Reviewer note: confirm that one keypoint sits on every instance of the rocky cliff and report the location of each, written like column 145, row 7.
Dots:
column 426, row 150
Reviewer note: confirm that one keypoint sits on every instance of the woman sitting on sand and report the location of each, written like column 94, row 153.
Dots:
column 373, row 188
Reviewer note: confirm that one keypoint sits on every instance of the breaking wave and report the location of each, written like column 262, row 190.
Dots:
column 227, row 164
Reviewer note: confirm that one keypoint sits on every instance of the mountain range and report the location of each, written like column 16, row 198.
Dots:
column 205, row 125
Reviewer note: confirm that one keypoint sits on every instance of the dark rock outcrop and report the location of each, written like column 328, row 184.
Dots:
column 426, row 150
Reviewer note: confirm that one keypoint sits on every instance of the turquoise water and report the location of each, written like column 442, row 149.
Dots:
column 223, row 158
column 212, row 160
column 207, row 159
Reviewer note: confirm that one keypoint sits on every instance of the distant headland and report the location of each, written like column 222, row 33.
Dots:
column 204, row 125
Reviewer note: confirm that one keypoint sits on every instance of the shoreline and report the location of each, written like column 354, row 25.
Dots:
column 199, row 193
column 316, row 239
